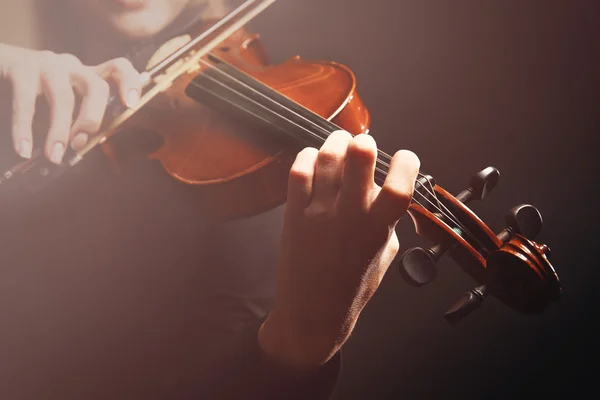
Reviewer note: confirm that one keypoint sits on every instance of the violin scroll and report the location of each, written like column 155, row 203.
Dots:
column 520, row 274
column 522, row 277
column 508, row 266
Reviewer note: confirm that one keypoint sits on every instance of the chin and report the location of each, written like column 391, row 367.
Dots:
column 142, row 24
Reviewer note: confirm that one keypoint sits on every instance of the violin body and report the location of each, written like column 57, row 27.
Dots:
column 230, row 124
column 236, row 168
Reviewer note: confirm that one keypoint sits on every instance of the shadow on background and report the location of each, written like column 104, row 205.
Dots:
column 467, row 84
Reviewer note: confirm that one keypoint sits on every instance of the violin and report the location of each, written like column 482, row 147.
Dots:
column 231, row 124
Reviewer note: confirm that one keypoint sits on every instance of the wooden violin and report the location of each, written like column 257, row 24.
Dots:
column 231, row 124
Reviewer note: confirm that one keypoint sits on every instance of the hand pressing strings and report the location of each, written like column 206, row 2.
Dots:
column 338, row 241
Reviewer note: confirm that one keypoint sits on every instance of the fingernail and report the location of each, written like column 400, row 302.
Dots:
column 57, row 152
column 25, row 148
column 79, row 141
column 132, row 98
column 144, row 78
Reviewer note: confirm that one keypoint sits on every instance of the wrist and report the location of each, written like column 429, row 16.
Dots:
column 301, row 349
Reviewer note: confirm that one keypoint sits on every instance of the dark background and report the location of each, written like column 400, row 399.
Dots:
column 467, row 84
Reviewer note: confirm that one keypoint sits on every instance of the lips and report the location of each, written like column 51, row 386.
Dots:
column 130, row 4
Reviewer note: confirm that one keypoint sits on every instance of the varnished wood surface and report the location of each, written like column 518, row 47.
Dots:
column 235, row 168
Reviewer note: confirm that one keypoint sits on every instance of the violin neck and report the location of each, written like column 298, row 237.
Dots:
column 226, row 87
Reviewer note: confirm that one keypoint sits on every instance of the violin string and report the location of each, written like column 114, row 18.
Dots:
column 314, row 134
column 448, row 214
column 382, row 167
column 333, row 126
column 440, row 207
column 465, row 230
column 324, row 121
column 382, row 156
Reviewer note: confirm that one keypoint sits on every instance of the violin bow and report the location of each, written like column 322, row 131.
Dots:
column 162, row 78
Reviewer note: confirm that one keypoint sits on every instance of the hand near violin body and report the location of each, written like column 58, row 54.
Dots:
column 338, row 242
column 64, row 81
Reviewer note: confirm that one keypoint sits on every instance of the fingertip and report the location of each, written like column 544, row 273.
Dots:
column 55, row 152
column 365, row 139
column 395, row 196
column 342, row 134
column 144, row 79
column 305, row 160
column 301, row 178
column 303, row 168
column 131, row 88
column 307, row 153
column 79, row 141
column 131, row 97
column 409, row 158
column 363, row 146
column 25, row 148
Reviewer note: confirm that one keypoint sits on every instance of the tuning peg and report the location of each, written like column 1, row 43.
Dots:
column 524, row 220
column 480, row 185
column 466, row 304
column 417, row 265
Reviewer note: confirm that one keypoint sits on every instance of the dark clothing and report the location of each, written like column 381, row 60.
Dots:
column 117, row 287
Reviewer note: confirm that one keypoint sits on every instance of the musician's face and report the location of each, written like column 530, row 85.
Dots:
column 133, row 18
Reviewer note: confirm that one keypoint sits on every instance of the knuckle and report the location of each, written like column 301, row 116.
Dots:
column 21, row 112
column 300, row 174
column 97, row 85
column 69, row 60
column 22, row 68
column 57, row 135
column 47, row 54
column 121, row 64
column 18, row 127
column 50, row 61
column 92, row 84
column 62, row 94
column 329, row 156
column 397, row 193
column 22, row 73
column 318, row 210
column 54, row 77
